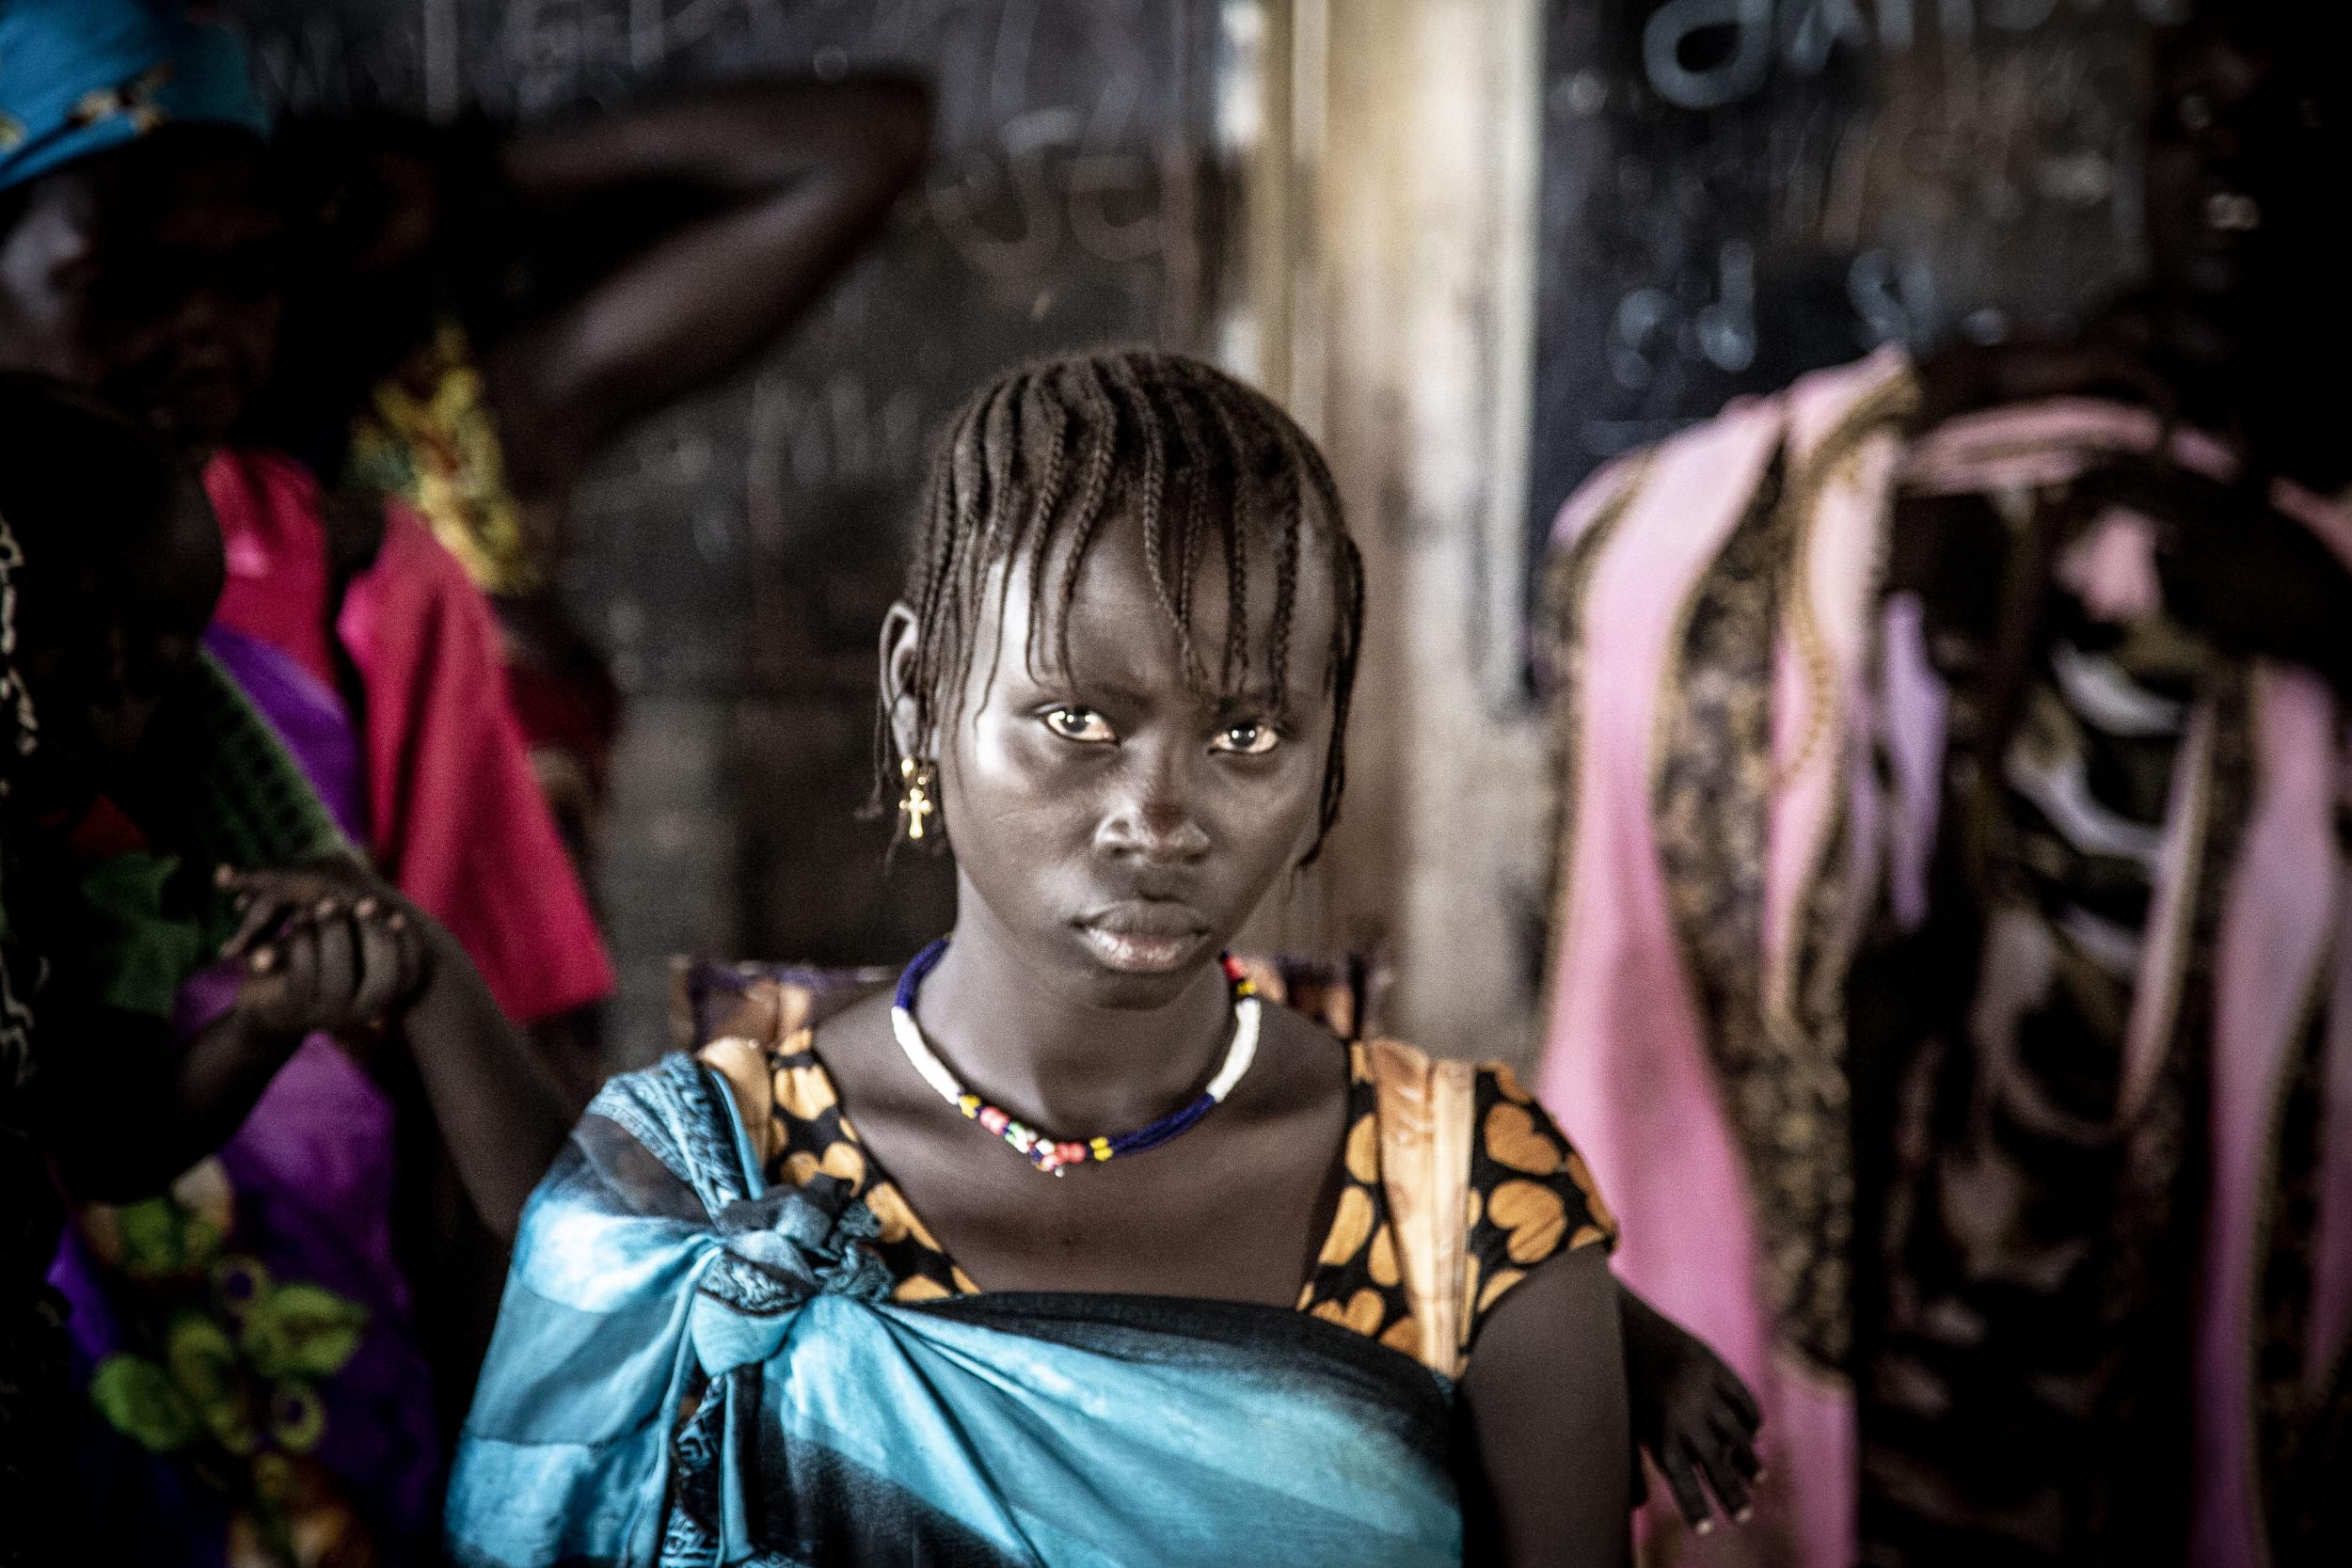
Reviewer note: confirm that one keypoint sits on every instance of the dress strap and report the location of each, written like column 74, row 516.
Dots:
column 742, row 1064
column 1428, row 1116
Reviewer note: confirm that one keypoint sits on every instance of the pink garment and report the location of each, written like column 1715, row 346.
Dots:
column 456, row 818
column 2277, row 944
column 1626, row 1068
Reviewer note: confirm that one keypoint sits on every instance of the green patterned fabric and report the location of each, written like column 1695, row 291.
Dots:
column 249, row 804
column 219, row 789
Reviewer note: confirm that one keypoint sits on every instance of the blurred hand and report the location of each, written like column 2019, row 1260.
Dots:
column 324, row 948
column 1967, row 378
column 2233, row 567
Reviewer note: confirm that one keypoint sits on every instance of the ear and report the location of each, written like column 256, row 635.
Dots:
column 900, row 643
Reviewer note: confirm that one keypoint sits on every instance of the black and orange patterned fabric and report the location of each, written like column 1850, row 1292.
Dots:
column 1528, row 1192
column 1529, row 1197
column 815, row 1138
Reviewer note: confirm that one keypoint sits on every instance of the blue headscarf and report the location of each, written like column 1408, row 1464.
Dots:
column 81, row 77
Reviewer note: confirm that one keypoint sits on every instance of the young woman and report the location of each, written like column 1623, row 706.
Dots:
column 1258, row 1296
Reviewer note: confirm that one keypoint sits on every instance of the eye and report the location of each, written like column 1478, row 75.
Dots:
column 1079, row 723
column 1248, row 737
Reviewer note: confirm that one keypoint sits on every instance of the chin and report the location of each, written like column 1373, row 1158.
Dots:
column 200, row 432
column 201, row 418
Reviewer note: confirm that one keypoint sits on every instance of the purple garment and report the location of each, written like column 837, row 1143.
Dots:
column 247, row 1343
column 307, row 715
column 310, row 1179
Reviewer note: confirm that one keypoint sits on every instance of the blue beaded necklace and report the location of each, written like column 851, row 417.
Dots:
column 1054, row 1156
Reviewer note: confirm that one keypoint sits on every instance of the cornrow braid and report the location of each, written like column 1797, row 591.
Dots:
column 999, row 433
column 1049, row 495
column 1153, row 505
column 1094, row 503
column 1042, row 460
column 1228, row 528
column 1194, row 536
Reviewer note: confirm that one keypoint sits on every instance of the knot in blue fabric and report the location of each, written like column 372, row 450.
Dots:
column 808, row 1240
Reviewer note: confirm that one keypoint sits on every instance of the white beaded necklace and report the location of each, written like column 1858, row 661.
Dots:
column 1047, row 1154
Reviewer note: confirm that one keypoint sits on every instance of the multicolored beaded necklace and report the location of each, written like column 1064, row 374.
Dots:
column 1048, row 1154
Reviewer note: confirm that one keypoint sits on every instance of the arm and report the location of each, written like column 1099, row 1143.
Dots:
column 793, row 179
column 128, row 1099
column 331, row 947
column 1546, row 1398
column 130, row 1108
column 605, row 266
column 325, row 949
column 499, row 1113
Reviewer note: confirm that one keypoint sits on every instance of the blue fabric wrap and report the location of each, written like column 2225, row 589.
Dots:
column 80, row 76
column 654, row 1276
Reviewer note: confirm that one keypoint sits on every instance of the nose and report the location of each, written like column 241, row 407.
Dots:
column 1151, row 819
column 200, row 322
column 120, row 721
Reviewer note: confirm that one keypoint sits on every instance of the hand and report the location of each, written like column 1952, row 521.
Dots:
column 1968, row 378
column 1692, row 1415
column 326, row 948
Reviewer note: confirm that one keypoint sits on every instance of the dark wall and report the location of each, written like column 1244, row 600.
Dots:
column 734, row 556
column 1737, row 190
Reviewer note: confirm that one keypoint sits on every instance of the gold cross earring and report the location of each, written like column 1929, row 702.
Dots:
column 915, row 807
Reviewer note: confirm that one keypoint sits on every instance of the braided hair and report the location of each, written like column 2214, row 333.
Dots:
column 1049, row 452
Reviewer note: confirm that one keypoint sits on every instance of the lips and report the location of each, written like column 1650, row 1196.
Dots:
column 1144, row 936
column 1148, row 917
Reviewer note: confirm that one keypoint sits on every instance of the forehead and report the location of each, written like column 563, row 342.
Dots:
column 1119, row 632
column 184, row 187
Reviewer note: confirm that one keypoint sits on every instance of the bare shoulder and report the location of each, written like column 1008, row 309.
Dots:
column 861, row 1055
column 1566, row 1307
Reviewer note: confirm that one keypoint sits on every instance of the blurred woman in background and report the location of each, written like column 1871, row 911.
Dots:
column 154, row 249
column 142, row 253
column 248, row 1375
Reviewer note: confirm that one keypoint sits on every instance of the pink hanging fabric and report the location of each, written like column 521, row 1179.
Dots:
column 456, row 819
column 1625, row 1066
